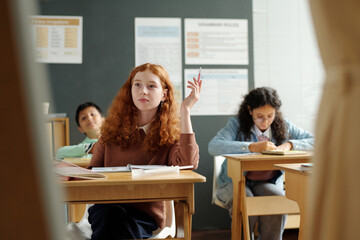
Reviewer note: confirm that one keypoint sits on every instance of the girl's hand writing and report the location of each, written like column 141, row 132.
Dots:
column 285, row 146
column 261, row 146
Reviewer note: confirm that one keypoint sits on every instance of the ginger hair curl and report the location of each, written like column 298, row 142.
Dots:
column 120, row 126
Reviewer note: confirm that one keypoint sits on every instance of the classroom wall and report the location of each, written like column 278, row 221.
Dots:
column 109, row 55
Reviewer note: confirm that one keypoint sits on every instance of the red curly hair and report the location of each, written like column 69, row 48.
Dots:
column 120, row 127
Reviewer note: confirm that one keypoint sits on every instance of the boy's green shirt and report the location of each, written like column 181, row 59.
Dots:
column 76, row 151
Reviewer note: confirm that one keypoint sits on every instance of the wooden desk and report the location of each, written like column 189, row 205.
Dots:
column 76, row 211
column 296, row 188
column 243, row 206
column 122, row 187
column 81, row 162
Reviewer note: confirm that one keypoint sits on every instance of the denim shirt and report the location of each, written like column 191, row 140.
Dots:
column 229, row 141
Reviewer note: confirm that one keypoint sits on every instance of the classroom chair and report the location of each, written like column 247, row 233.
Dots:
column 218, row 161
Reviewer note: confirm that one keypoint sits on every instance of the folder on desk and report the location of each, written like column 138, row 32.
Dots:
column 283, row 152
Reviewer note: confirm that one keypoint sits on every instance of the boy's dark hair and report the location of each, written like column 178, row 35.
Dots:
column 82, row 107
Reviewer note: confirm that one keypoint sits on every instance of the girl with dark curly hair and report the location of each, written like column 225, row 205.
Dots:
column 142, row 128
column 259, row 126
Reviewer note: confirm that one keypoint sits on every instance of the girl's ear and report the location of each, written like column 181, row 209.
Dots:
column 249, row 110
column 164, row 95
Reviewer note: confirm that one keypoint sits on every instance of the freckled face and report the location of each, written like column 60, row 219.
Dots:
column 147, row 91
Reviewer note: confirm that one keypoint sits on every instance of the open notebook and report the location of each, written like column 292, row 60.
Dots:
column 283, row 152
column 127, row 168
column 139, row 170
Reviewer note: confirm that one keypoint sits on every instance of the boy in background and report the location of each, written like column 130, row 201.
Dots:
column 89, row 120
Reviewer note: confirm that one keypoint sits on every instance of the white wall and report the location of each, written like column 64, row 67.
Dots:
column 286, row 57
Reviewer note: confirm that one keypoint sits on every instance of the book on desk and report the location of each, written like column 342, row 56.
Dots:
column 283, row 152
column 71, row 167
column 139, row 170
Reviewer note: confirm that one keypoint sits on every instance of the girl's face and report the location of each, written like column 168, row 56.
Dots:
column 263, row 116
column 147, row 92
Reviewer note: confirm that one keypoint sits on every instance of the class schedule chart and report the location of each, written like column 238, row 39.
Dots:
column 57, row 39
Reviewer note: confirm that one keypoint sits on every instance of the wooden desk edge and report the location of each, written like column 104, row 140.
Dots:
column 293, row 168
column 251, row 156
column 193, row 178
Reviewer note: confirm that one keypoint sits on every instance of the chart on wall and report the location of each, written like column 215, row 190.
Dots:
column 216, row 41
column 158, row 40
column 222, row 90
column 57, row 39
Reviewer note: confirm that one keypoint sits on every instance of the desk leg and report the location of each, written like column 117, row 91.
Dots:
column 76, row 212
column 236, row 214
column 183, row 220
column 244, row 214
column 301, row 228
column 296, row 190
column 235, row 173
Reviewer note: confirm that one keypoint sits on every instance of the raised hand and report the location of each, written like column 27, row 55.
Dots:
column 188, row 103
column 193, row 97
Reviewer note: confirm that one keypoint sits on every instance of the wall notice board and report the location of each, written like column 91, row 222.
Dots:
column 109, row 55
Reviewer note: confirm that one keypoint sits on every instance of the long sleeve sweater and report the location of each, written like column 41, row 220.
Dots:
column 183, row 152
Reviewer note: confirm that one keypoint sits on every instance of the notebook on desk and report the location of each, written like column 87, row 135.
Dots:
column 283, row 152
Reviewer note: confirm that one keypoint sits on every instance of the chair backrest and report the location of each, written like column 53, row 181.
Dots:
column 218, row 161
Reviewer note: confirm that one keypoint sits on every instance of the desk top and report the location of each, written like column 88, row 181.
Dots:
column 265, row 157
column 81, row 162
column 260, row 162
column 125, row 178
column 294, row 168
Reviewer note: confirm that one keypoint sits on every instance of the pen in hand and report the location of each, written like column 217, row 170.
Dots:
column 199, row 75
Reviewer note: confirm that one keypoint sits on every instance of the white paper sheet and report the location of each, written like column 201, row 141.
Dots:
column 57, row 39
column 216, row 41
column 158, row 41
column 222, row 90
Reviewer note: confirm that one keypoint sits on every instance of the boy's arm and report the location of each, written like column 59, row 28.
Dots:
column 79, row 150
